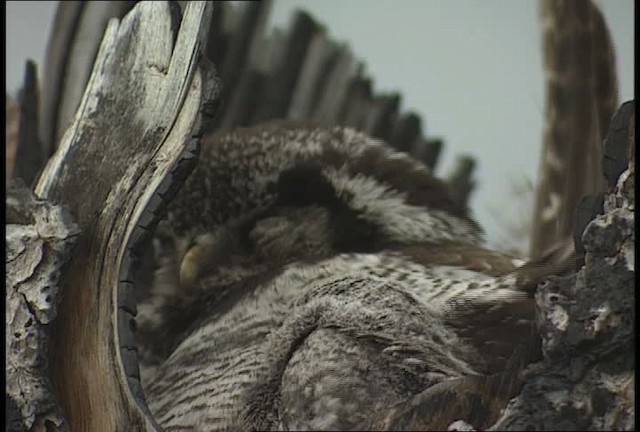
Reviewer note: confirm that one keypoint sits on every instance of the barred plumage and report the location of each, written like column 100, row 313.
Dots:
column 318, row 275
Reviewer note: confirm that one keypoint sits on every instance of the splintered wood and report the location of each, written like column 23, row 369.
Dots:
column 139, row 112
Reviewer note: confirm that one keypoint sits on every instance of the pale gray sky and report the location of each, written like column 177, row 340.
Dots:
column 472, row 69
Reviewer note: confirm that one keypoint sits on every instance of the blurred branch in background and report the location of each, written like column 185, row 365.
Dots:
column 77, row 30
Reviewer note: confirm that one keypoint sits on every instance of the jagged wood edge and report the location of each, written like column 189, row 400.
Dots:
column 117, row 193
column 71, row 50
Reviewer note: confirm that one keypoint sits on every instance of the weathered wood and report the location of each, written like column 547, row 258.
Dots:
column 280, row 85
column 76, row 36
column 39, row 237
column 589, row 207
column 122, row 158
column 29, row 157
column 618, row 151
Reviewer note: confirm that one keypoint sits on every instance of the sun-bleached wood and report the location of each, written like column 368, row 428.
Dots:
column 138, row 113
column 72, row 48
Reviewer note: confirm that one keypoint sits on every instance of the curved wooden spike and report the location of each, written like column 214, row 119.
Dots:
column 132, row 142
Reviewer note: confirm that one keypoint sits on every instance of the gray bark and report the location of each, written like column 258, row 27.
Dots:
column 131, row 144
column 39, row 238
column 586, row 380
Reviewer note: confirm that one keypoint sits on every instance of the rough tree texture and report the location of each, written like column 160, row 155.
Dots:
column 73, row 45
column 131, row 141
column 586, row 380
column 39, row 237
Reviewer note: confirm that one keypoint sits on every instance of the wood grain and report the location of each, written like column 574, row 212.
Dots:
column 138, row 114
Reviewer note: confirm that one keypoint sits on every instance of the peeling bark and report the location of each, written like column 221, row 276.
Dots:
column 39, row 238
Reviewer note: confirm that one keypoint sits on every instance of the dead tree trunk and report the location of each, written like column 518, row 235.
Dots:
column 133, row 140
column 71, row 51
column 586, row 380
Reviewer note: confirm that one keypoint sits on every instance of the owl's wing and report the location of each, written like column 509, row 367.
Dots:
column 581, row 96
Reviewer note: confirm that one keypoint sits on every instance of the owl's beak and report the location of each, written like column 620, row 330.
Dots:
column 192, row 264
